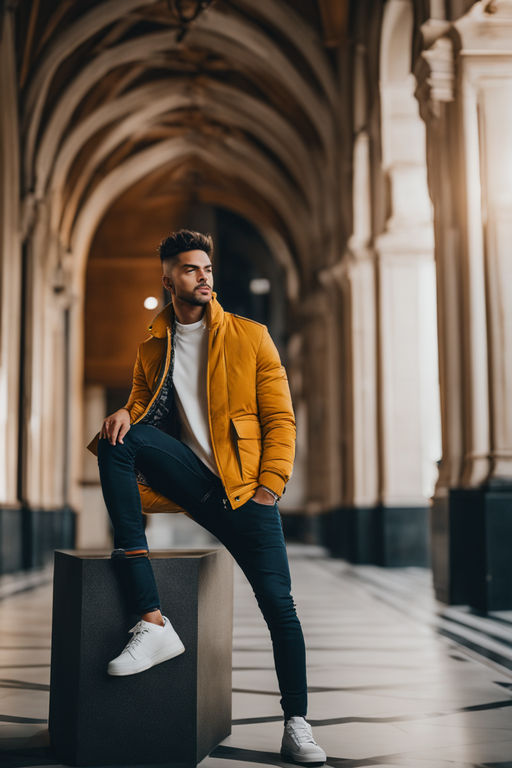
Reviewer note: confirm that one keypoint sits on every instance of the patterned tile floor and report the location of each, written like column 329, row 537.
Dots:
column 395, row 678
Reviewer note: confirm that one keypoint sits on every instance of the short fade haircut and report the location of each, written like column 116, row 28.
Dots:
column 184, row 240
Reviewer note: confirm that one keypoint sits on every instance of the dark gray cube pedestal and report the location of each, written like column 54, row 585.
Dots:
column 175, row 712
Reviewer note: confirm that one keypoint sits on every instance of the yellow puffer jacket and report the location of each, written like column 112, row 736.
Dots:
column 252, row 424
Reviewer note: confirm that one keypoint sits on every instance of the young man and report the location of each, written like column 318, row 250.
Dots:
column 208, row 429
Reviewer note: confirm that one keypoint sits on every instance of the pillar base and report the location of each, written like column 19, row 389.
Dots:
column 28, row 536
column 471, row 534
column 11, row 539
column 45, row 530
column 307, row 529
column 386, row 536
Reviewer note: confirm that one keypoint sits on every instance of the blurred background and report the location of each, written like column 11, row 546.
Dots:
column 353, row 161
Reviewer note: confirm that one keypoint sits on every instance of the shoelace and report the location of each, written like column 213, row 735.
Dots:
column 302, row 732
column 137, row 630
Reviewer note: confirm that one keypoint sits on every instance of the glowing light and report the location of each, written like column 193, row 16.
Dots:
column 151, row 302
column 259, row 285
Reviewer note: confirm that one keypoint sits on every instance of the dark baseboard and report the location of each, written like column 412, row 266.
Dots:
column 471, row 535
column 28, row 536
column 386, row 536
column 299, row 527
column 11, row 539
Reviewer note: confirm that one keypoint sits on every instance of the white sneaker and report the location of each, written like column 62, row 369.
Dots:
column 149, row 644
column 298, row 745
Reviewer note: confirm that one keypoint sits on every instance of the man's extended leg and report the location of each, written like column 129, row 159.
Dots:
column 254, row 536
column 261, row 554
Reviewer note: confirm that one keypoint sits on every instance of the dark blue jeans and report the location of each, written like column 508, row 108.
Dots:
column 252, row 533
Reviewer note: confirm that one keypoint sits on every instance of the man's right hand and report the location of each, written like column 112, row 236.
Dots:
column 116, row 426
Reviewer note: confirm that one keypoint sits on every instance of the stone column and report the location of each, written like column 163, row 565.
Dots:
column 408, row 392
column 355, row 522
column 93, row 528
column 294, row 497
column 36, row 418
column 321, row 386
column 10, row 265
column 470, row 172
column 46, row 437
column 11, row 522
column 435, row 84
column 390, row 382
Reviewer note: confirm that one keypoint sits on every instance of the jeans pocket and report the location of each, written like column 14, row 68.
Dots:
column 259, row 506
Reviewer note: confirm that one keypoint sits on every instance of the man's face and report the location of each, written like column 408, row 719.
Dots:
column 190, row 279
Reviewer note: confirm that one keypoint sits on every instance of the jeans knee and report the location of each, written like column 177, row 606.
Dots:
column 104, row 448
column 107, row 451
column 276, row 607
column 129, row 554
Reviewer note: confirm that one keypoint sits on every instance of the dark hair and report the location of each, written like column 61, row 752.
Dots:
column 184, row 240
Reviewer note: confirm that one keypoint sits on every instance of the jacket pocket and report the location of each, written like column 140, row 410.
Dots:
column 247, row 434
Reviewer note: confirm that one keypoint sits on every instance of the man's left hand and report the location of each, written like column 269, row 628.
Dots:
column 262, row 496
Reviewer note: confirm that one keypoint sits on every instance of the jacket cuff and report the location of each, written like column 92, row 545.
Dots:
column 272, row 481
column 128, row 408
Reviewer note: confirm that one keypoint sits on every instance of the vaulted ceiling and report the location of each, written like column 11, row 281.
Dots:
column 131, row 116
column 239, row 108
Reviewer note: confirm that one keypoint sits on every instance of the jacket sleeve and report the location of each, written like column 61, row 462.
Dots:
column 139, row 398
column 140, row 394
column 276, row 417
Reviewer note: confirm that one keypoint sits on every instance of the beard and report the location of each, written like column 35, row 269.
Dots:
column 197, row 301
column 195, row 298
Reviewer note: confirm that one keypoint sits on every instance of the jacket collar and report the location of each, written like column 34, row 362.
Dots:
column 214, row 315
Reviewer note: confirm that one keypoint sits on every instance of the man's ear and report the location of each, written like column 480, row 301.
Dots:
column 167, row 283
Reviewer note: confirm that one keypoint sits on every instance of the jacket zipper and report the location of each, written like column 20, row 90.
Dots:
column 162, row 379
column 167, row 362
column 210, row 345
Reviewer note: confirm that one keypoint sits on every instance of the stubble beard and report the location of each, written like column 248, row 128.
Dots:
column 194, row 300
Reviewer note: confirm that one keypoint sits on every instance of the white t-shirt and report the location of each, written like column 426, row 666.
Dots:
column 189, row 378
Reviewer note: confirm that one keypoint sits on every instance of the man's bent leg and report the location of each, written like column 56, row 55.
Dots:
column 172, row 469
column 137, row 580
column 122, row 499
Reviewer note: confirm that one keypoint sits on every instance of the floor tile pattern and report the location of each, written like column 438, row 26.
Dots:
column 395, row 678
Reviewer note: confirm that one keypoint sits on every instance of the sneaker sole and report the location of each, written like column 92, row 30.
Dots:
column 291, row 759
column 150, row 663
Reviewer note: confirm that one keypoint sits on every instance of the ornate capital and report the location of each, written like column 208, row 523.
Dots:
column 435, row 77
column 336, row 273
column 486, row 28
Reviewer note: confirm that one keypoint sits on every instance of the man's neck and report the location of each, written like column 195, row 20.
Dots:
column 187, row 313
